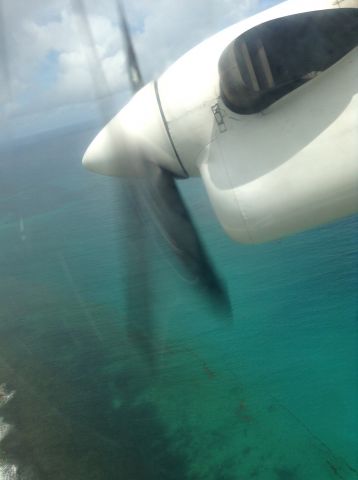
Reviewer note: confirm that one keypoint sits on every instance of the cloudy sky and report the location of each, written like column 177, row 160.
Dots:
column 46, row 63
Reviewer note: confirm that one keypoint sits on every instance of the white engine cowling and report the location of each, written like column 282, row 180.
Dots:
column 287, row 165
column 293, row 167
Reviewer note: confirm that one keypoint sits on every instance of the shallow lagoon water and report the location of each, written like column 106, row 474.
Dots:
column 270, row 395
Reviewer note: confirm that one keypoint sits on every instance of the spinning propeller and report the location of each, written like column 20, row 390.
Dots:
column 151, row 196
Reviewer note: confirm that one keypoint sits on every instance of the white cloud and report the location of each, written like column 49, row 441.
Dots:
column 51, row 66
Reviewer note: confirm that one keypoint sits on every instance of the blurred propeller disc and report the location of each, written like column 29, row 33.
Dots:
column 154, row 197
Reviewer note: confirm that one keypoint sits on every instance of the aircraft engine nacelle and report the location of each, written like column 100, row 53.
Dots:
column 275, row 136
column 266, row 111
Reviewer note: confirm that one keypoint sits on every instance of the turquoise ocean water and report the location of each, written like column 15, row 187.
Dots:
column 270, row 396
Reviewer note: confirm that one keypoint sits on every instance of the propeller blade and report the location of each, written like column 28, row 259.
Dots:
column 139, row 318
column 134, row 73
column 138, row 292
column 172, row 218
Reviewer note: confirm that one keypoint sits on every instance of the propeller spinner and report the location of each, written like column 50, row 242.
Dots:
column 137, row 131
